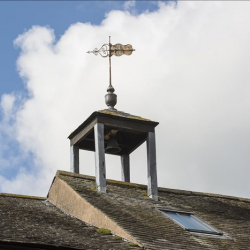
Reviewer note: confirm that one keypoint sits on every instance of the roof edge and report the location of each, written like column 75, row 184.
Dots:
column 22, row 196
column 109, row 181
column 32, row 245
column 160, row 189
column 117, row 115
column 195, row 193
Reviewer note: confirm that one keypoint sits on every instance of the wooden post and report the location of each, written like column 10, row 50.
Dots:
column 152, row 173
column 74, row 159
column 100, row 171
column 125, row 168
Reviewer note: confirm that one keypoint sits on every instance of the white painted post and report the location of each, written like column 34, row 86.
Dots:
column 125, row 168
column 100, row 170
column 74, row 159
column 152, row 173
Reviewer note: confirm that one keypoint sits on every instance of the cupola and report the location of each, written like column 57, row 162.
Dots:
column 114, row 132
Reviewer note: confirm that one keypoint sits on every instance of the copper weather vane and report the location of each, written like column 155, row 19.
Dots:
column 108, row 50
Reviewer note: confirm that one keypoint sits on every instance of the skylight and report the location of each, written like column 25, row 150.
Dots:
column 190, row 222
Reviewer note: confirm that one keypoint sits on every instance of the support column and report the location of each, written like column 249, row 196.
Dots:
column 152, row 173
column 74, row 159
column 100, row 171
column 125, row 168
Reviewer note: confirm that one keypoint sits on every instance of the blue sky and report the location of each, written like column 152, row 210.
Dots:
column 19, row 16
column 190, row 72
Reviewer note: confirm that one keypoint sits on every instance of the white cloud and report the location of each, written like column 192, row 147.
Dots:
column 128, row 5
column 190, row 72
column 6, row 104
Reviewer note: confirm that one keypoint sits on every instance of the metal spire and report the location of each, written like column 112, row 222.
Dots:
column 108, row 50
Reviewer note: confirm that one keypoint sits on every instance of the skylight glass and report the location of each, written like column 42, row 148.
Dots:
column 190, row 222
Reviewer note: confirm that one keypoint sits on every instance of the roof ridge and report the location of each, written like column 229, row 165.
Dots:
column 81, row 176
column 109, row 181
column 196, row 193
column 160, row 189
column 22, row 196
column 24, row 245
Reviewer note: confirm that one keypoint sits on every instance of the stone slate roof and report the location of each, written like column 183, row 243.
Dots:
column 34, row 223
column 128, row 205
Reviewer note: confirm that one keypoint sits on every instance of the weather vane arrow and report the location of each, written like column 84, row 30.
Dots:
column 108, row 50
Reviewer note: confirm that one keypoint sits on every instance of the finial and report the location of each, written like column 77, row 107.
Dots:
column 108, row 50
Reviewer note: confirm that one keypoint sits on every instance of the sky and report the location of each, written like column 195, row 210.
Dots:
column 190, row 72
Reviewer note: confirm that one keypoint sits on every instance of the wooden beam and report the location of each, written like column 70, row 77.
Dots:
column 74, row 159
column 83, row 133
column 125, row 170
column 100, row 170
column 125, row 125
column 152, row 173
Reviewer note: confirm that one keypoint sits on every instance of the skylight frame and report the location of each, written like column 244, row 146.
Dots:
column 211, row 230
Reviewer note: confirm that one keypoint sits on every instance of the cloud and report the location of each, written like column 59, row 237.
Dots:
column 6, row 104
column 128, row 5
column 190, row 72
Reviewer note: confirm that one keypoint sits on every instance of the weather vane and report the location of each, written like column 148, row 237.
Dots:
column 108, row 50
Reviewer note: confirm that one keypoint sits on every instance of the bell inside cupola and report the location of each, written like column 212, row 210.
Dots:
column 112, row 145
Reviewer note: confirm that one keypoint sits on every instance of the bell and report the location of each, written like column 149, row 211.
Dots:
column 112, row 146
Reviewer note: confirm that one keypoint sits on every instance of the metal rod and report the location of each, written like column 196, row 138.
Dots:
column 110, row 84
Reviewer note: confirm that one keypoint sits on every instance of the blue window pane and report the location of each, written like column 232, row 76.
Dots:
column 194, row 223
column 179, row 219
column 190, row 222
